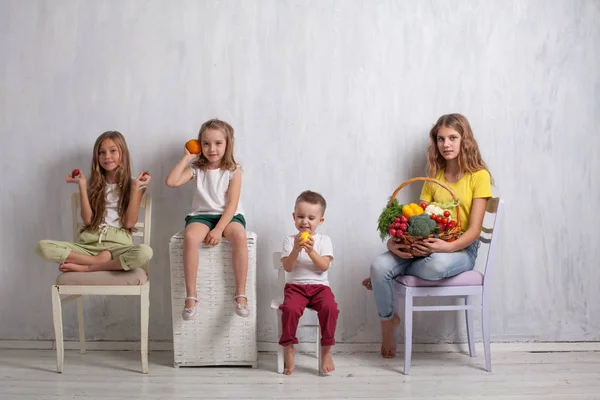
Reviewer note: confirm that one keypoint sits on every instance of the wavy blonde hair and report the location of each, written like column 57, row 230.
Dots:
column 228, row 161
column 97, row 186
column 469, row 157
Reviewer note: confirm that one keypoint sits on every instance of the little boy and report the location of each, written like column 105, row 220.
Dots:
column 306, row 257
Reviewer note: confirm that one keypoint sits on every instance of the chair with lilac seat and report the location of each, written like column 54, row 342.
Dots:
column 466, row 285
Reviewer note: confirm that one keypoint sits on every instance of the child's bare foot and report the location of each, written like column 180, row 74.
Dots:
column 388, row 341
column 72, row 267
column 326, row 360
column 288, row 359
column 367, row 284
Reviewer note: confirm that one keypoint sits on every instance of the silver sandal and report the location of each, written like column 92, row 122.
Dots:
column 189, row 313
column 241, row 309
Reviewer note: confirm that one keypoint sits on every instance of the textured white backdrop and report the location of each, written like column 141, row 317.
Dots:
column 335, row 96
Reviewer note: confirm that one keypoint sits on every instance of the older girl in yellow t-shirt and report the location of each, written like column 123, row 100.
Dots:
column 453, row 158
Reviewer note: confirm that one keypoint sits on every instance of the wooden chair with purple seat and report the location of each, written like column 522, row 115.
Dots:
column 466, row 285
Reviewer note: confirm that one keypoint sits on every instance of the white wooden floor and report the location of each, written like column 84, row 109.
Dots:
column 31, row 374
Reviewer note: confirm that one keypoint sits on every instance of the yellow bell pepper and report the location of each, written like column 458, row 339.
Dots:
column 411, row 210
column 407, row 211
column 416, row 208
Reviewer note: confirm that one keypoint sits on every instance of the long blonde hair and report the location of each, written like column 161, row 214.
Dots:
column 469, row 157
column 228, row 161
column 97, row 186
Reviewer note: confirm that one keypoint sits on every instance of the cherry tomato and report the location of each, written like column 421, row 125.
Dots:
column 445, row 220
column 446, row 213
column 423, row 205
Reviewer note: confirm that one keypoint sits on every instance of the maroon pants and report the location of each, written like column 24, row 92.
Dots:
column 318, row 297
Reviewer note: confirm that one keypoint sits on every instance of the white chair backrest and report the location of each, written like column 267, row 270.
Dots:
column 280, row 277
column 489, row 235
column 142, row 228
column 280, row 271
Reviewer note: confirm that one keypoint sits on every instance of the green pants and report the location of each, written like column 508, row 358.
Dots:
column 115, row 240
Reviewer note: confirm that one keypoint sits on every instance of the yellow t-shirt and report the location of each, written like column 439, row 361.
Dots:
column 471, row 186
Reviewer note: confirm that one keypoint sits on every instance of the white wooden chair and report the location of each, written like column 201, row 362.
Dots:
column 135, row 284
column 275, row 303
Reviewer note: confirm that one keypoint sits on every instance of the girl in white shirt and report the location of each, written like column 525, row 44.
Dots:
column 216, row 209
column 109, row 211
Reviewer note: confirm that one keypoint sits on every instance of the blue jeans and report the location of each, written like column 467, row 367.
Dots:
column 434, row 267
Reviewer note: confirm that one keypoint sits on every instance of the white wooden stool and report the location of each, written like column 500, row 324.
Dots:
column 216, row 335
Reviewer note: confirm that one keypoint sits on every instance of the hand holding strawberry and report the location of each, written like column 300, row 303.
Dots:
column 142, row 180
column 75, row 177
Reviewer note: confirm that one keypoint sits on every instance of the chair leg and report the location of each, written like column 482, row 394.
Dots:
column 144, row 320
column 279, row 347
column 81, row 324
column 485, row 323
column 319, row 355
column 470, row 331
column 58, row 328
column 408, row 318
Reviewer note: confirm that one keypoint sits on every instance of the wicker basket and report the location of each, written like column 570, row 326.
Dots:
column 447, row 235
column 216, row 336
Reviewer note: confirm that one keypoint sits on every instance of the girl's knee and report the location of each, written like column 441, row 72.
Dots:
column 192, row 236
column 145, row 253
column 237, row 236
column 434, row 269
column 381, row 268
column 41, row 249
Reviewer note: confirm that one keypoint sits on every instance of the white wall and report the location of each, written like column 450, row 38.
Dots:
column 333, row 96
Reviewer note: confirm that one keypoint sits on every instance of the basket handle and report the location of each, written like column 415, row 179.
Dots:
column 425, row 179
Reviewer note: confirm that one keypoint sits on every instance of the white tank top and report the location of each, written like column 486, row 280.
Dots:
column 112, row 204
column 212, row 189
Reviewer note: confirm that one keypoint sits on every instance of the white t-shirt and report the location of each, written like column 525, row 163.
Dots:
column 112, row 203
column 212, row 188
column 306, row 272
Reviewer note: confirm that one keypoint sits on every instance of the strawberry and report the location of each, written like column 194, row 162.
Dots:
column 75, row 173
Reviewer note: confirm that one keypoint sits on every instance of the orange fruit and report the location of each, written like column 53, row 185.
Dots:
column 193, row 146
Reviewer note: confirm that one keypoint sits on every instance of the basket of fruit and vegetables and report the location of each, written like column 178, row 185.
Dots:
column 408, row 223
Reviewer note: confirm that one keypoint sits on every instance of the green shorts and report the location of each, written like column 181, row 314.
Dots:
column 211, row 220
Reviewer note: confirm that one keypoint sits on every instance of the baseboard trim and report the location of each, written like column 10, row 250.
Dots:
column 310, row 347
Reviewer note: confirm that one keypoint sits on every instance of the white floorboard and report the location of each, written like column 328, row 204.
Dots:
column 110, row 375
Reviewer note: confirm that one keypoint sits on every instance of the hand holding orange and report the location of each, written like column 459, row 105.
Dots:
column 193, row 146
